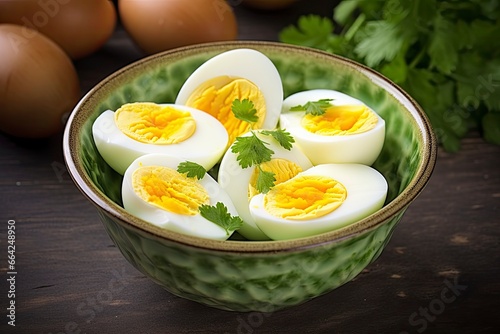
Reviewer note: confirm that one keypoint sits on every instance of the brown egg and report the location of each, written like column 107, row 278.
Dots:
column 38, row 83
column 80, row 27
column 162, row 25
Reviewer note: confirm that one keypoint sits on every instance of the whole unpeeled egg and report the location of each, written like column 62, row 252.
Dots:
column 239, row 182
column 154, row 191
column 162, row 25
column 140, row 128
column 79, row 27
column 349, row 131
column 38, row 83
column 321, row 199
column 235, row 74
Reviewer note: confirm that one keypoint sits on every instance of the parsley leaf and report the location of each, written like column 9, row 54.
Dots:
column 396, row 69
column 192, row 169
column 443, row 47
column 311, row 30
column 265, row 181
column 314, row 108
column 282, row 137
column 251, row 151
column 219, row 215
column 381, row 41
column 244, row 110
column 478, row 82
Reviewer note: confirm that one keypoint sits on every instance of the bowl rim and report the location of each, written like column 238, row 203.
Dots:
column 79, row 176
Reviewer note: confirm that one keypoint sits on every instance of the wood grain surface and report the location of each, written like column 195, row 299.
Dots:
column 439, row 274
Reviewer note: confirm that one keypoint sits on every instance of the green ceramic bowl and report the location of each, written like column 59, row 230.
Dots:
column 246, row 275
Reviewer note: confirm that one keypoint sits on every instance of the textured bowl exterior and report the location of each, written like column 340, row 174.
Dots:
column 264, row 282
column 242, row 275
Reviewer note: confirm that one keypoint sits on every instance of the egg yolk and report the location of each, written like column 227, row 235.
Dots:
column 283, row 170
column 341, row 120
column 169, row 190
column 155, row 124
column 305, row 197
column 216, row 97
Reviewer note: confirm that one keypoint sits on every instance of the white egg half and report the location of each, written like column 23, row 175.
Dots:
column 348, row 145
column 205, row 141
column 145, row 187
column 235, row 74
column 301, row 207
column 236, row 180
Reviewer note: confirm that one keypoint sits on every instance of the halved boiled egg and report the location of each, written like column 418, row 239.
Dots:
column 140, row 128
column 323, row 198
column 240, row 183
column 235, row 74
column 347, row 132
column 156, row 192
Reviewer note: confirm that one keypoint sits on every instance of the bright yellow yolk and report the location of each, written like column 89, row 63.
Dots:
column 169, row 190
column 305, row 197
column 216, row 97
column 154, row 124
column 283, row 170
column 341, row 120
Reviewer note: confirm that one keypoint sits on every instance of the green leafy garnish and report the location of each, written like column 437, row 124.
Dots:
column 445, row 54
column 219, row 215
column 265, row 181
column 314, row 108
column 283, row 137
column 192, row 169
column 244, row 110
column 251, row 151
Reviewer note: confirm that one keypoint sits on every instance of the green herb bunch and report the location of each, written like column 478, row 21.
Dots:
column 445, row 54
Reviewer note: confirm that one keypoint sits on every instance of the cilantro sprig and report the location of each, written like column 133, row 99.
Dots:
column 265, row 181
column 252, row 150
column 445, row 54
column 191, row 169
column 244, row 110
column 284, row 138
column 315, row 108
column 219, row 215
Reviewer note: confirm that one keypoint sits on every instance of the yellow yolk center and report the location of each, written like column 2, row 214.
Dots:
column 283, row 170
column 341, row 120
column 305, row 197
column 154, row 124
column 216, row 97
column 169, row 190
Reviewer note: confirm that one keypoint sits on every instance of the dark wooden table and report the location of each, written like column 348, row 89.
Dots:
column 439, row 274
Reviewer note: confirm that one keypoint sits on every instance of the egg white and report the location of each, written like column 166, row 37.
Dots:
column 363, row 148
column 241, row 63
column 205, row 147
column 366, row 193
column 235, row 181
column 191, row 225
